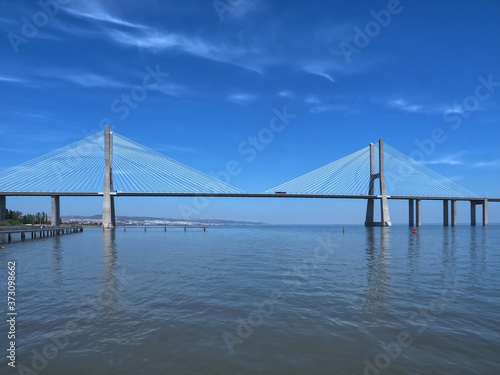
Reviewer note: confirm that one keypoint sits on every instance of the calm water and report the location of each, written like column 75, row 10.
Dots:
column 258, row 300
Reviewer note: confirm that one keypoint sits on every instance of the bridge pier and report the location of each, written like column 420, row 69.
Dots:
column 418, row 221
column 385, row 220
column 473, row 205
column 55, row 210
column 108, row 204
column 3, row 207
column 414, row 212
column 453, row 212
column 485, row 212
column 411, row 214
column 445, row 212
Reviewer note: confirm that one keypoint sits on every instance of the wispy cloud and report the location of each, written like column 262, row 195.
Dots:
column 241, row 98
column 11, row 79
column 34, row 115
column 92, row 80
column 312, row 99
column 175, row 90
column 94, row 10
column 409, row 107
column 403, row 105
column 319, row 70
column 254, row 51
column 329, row 108
column 465, row 158
column 447, row 160
column 453, row 109
column 193, row 45
column 487, row 163
column 243, row 8
column 329, row 104
column 286, row 94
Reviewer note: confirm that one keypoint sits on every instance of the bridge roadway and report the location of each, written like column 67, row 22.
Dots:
column 243, row 195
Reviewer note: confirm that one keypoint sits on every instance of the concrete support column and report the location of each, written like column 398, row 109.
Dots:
column 385, row 220
column 108, row 201
column 472, row 213
column 485, row 212
column 417, row 212
column 445, row 212
column 56, row 210
column 453, row 212
column 411, row 214
column 3, row 207
column 371, row 190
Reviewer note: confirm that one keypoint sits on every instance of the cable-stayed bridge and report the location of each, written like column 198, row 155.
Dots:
column 109, row 165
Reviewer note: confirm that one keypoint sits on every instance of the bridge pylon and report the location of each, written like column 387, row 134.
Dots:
column 108, row 204
column 385, row 220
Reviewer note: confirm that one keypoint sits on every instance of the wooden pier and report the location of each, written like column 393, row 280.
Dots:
column 164, row 227
column 41, row 232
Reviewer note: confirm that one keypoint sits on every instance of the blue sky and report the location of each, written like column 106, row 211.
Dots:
column 350, row 72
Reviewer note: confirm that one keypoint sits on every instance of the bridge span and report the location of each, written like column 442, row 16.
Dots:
column 142, row 172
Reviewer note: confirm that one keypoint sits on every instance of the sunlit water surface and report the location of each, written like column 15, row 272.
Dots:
column 257, row 300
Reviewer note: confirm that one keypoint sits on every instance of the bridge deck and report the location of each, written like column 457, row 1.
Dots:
column 242, row 195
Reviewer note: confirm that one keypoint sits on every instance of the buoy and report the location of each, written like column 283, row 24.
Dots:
column 343, row 230
column 414, row 230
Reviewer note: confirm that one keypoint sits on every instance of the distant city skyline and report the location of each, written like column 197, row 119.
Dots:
column 256, row 93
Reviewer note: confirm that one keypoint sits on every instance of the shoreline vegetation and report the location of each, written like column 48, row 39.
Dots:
column 16, row 219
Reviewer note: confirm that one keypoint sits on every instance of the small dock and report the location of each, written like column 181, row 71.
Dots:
column 40, row 232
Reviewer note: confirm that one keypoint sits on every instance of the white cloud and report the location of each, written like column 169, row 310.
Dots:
column 454, row 109
column 241, row 98
column 11, row 79
column 91, row 80
column 487, row 163
column 319, row 71
column 329, row 108
column 286, row 94
column 95, row 11
column 175, row 90
column 403, row 105
column 312, row 99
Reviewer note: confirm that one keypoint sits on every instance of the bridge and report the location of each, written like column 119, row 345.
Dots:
column 110, row 165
